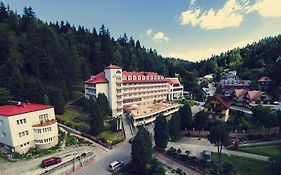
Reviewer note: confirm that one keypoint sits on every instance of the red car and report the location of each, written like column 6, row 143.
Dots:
column 50, row 161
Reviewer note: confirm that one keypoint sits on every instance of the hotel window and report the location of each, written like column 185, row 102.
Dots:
column 139, row 77
column 3, row 134
column 43, row 117
column 147, row 77
column 143, row 77
column 124, row 78
column 129, row 78
column 134, row 77
column 151, row 77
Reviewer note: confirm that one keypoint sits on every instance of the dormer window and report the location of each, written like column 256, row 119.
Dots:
column 155, row 77
column 129, row 78
column 124, row 78
column 147, row 77
column 139, row 77
column 151, row 77
column 134, row 77
column 162, row 77
column 118, row 72
column 143, row 77
column 158, row 77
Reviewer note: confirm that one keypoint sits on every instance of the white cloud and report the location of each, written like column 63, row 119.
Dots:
column 160, row 37
column 197, row 55
column 230, row 15
column 148, row 32
column 267, row 8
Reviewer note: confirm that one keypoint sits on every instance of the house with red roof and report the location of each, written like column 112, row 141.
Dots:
column 27, row 125
column 217, row 107
column 126, row 89
column 264, row 83
column 249, row 99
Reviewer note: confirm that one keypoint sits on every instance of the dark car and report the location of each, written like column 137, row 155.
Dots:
column 131, row 140
column 50, row 161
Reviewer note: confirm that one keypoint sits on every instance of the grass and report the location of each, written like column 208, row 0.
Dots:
column 112, row 137
column 72, row 112
column 271, row 150
column 245, row 166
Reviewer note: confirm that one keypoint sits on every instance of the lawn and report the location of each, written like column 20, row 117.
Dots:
column 271, row 150
column 245, row 166
column 113, row 137
column 73, row 116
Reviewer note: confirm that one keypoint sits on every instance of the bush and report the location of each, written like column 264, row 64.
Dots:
column 227, row 168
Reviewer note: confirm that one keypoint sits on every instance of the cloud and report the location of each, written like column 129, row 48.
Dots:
column 197, row 55
column 160, row 37
column 192, row 2
column 230, row 15
column 267, row 8
column 149, row 32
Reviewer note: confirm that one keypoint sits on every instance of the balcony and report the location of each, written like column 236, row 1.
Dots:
column 46, row 123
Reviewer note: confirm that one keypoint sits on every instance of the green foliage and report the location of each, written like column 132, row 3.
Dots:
column 185, row 117
column 156, row 168
column 161, row 131
column 104, row 104
column 5, row 96
column 142, row 149
column 275, row 165
column 174, row 126
column 219, row 136
column 46, row 100
column 96, row 119
column 201, row 121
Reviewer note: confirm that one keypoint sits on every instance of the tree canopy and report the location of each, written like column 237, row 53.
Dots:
column 161, row 132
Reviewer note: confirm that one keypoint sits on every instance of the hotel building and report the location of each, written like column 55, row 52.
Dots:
column 135, row 92
column 24, row 126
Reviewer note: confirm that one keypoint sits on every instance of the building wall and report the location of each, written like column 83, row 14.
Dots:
column 15, row 137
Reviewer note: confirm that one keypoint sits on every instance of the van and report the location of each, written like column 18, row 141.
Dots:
column 50, row 161
column 115, row 165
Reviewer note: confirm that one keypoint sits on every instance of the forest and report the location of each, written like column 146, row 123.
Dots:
column 42, row 61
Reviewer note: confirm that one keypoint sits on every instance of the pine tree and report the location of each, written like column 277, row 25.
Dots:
column 5, row 96
column 201, row 121
column 161, row 131
column 174, row 126
column 142, row 149
column 46, row 100
column 185, row 117
column 96, row 119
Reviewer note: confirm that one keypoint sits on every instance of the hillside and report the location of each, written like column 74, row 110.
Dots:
column 41, row 62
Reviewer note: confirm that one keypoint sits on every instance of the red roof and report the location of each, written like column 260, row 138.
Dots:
column 125, row 73
column 239, row 92
column 10, row 110
column 264, row 79
column 173, row 80
column 252, row 95
column 99, row 78
column 222, row 99
column 113, row 67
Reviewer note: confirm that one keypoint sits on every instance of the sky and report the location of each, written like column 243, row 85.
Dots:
column 189, row 29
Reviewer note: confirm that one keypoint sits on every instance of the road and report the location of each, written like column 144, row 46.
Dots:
column 100, row 166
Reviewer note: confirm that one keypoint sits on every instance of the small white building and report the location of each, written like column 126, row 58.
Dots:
column 24, row 126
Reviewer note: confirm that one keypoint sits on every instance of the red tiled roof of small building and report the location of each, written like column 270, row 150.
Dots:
column 99, row 78
column 10, row 110
column 252, row 95
column 222, row 99
column 264, row 79
column 113, row 67
column 239, row 92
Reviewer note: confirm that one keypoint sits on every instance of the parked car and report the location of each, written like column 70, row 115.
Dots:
column 207, row 155
column 115, row 165
column 50, row 161
column 131, row 140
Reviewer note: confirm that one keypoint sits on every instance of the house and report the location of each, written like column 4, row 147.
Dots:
column 249, row 99
column 230, row 81
column 217, row 107
column 264, row 83
column 126, row 90
column 27, row 125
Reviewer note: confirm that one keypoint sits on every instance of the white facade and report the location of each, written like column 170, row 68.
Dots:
column 31, row 125
column 124, row 89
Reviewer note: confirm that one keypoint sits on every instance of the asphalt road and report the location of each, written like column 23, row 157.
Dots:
column 100, row 166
